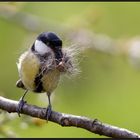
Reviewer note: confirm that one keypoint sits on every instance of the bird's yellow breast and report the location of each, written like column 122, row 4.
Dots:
column 50, row 80
column 29, row 65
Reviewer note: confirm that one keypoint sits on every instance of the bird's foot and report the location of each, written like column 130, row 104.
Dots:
column 48, row 112
column 20, row 106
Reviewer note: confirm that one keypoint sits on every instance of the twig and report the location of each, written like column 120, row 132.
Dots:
column 92, row 125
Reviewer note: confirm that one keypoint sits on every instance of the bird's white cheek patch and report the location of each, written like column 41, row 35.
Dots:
column 41, row 48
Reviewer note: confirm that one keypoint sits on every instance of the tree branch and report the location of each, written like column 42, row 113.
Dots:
column 92, row 125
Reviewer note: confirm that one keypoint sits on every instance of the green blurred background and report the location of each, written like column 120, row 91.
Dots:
column 108, row 87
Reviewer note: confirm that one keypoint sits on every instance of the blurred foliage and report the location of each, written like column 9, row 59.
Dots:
column 108, row 86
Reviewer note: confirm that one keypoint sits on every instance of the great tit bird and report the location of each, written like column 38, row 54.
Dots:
column 41, row 66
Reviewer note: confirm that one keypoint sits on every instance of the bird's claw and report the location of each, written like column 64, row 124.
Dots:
column 48, row 112
column 20, row 106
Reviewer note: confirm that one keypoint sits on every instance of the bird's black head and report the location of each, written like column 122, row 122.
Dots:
column 49, row 40
column 52, row 41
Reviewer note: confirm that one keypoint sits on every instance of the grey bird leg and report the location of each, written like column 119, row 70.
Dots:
column 49, row 108
column 21, row 103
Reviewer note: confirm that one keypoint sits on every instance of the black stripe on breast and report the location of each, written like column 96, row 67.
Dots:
column 38, row 82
